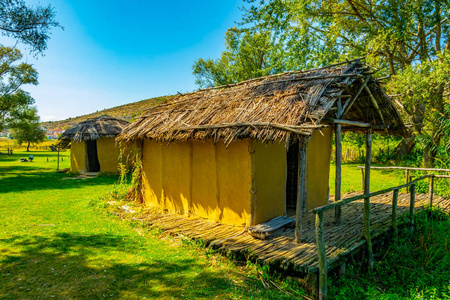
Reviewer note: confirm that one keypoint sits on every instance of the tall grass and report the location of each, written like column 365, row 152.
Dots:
column 415, row 266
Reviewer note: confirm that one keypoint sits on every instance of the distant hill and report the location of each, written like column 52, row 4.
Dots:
column 127, row 112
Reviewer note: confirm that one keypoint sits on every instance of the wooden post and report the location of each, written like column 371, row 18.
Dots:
column 57, row 164
column 337, row 184
column 367, row 200
column 406, row 179
column 431, row 190
column 362, row 180
column 320, row 241
column 412, row 204
column 394, row 213
column 301, row 192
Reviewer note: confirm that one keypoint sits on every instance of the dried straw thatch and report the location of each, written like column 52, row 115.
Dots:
column 271, row 108
column 92, row 129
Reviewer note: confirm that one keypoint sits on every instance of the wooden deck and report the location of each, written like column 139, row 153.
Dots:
column 280, row 250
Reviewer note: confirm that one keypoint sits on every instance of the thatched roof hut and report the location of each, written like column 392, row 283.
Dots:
column 93, row 146
column 275, row 146
column 95, row 128
column 272, row 107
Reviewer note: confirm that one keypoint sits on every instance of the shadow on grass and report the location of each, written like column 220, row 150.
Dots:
column 66, row 266
column 47, row 181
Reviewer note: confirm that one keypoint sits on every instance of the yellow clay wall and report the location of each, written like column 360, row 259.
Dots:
column 270, row 180
column 199, row 178
column 318, row 155
column 225, row 184
column 108, row 154
column 78, row 157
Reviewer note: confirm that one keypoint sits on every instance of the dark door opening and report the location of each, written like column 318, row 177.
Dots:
column 292, row 178
column 93, row 165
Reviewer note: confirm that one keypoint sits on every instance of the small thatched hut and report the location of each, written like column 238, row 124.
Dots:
column 93, row 146
column 250, row 152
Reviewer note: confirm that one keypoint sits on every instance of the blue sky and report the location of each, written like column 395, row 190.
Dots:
column 116, row 52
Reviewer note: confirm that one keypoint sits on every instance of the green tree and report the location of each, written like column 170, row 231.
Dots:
column 26, row 24
column 28, row 131
column 15, row 104
column 30, row 26
column 396, row 37
column 248, row 54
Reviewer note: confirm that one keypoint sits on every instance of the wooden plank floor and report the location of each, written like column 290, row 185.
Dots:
column 280, row 249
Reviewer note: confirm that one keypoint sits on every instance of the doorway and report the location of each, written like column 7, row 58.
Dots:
column 93, row 165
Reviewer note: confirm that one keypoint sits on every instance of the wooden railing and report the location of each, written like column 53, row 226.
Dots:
column 319, row 211
column 407, row 172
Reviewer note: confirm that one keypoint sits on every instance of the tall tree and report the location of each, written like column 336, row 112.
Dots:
column 248, row 54
column 30, row 26
column 28, row 131
column 15, row 104
column 403, row 39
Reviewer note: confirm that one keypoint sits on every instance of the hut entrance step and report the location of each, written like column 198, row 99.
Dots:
column 263, row 230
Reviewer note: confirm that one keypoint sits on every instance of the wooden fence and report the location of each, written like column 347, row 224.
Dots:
column 320, row 241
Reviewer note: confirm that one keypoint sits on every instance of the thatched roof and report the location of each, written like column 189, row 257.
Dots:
column 272, row 107
column 95, row 128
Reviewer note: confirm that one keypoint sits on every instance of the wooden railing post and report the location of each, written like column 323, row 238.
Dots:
column 322, row 257
column 412, row 204
column 394, row 212
column 406, row 178
column 362, row 180
column 367, row 199
column 57, row 164
column 431, row 190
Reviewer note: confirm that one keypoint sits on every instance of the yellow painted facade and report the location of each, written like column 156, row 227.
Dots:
column 107, row 151
column 78, row 157
column 199, row 178
column 108, row 154
column 227, row 184
column 270, row 180
column 318, row 158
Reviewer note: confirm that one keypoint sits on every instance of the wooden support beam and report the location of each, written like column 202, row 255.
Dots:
column 322, row 257
column 394, row 213
column 337, row 183
column 409, row 168
column 367, row 199
column 375, row 104
column 347, row 122
column 298, row 129
column 301, row 191
column 350, row 102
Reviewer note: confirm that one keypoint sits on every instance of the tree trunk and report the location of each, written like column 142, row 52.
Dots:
column 429, row 156
column 28, row 147
column 405, row 146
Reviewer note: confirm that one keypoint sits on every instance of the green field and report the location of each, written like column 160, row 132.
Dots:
column 58, row 241
column 55, row 243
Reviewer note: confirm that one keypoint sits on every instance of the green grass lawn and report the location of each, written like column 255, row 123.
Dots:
column 55, row 244
column 379, row 179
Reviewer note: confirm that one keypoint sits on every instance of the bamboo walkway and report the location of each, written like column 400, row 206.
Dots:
column 280, row 250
